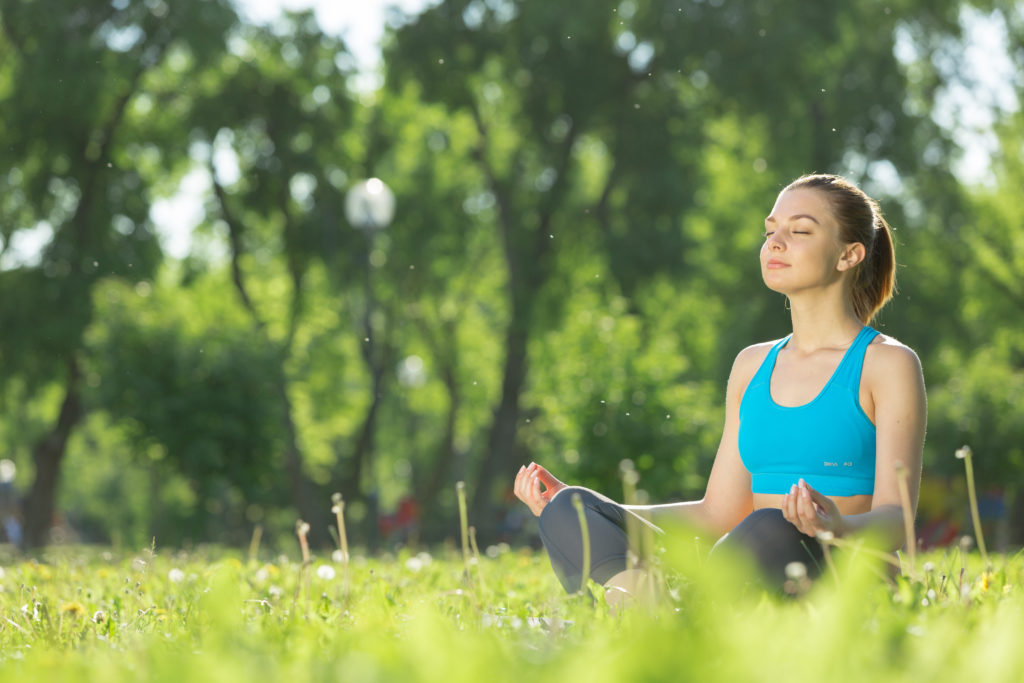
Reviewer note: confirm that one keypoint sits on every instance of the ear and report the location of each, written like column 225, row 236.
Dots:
column 851, row 255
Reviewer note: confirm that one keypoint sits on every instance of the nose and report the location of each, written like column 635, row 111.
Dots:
column 775, row 242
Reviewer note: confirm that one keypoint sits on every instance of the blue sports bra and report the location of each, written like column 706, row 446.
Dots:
column 829, row 442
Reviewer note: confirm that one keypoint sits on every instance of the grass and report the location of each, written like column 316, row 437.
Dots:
column 212, row 616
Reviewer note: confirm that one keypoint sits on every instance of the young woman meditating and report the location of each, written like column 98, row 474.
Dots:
column 816, row 423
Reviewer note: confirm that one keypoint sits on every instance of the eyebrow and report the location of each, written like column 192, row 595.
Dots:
column 793, row 218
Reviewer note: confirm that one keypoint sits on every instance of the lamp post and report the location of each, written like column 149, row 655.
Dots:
column 370, row 207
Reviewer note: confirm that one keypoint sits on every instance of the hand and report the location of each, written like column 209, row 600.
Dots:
column 528, row 483
column 811, row 512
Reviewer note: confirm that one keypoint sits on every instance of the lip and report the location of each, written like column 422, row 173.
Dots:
column 773, row 264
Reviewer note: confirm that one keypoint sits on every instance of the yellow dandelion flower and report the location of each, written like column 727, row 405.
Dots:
column 73, row 609
column 103, row 573
column 984, row 581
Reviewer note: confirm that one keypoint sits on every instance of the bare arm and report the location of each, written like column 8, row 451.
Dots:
column 897, row 389
column 728, row 498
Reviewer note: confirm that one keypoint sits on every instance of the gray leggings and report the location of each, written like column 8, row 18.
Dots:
column 764, row 535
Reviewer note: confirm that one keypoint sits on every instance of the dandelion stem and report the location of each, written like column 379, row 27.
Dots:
column 629, row 481
column 577, row 503
column 254, row 544
column 908, row 517
column 338, row 508
column 476, row 556
column 967, row 455
column 460, row 491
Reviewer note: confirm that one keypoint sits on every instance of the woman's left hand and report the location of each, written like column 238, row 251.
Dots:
column 811, row 512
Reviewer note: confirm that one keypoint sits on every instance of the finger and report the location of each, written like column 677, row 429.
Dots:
column 824, row 502
column 805, row 507
column 791, row 505
column 546, row 477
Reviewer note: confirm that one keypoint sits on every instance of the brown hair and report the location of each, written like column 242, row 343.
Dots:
column 860, row 220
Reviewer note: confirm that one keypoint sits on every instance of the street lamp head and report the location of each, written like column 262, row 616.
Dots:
column 370, row 205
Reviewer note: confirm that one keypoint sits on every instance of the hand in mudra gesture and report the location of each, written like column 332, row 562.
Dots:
column 528, row 487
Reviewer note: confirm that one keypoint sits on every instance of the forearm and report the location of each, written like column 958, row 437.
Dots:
column 884, row 523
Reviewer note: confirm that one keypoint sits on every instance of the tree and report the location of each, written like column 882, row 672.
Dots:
column 76, row 121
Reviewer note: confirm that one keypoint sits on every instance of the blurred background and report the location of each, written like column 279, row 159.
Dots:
column 253, row 254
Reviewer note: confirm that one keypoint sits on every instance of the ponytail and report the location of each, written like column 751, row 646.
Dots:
column 860, row 220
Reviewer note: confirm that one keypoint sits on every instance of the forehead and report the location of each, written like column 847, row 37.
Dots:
column 802, row 200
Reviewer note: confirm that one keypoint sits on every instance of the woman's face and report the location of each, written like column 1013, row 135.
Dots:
column 801, row 248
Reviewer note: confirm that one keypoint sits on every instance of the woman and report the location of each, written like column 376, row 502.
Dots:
column 816, row 424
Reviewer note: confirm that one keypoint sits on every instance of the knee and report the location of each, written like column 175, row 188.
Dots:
column 561, row 508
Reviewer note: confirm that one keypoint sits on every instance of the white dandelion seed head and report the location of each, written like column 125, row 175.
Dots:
column 963, row 452
column 275, row 591
column 325, row 572
column 99, row 617
column 339, row 556
column 175, row 575
column 414, row 564
column 928, row 567
column 796, row 571
column 825, row 536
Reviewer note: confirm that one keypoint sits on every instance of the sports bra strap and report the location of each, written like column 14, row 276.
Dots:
column 849, row 370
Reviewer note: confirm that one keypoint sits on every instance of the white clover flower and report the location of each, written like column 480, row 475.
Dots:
column 175, row 575
column 325, row 572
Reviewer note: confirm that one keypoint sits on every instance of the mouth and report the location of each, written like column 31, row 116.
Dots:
column 774, row 264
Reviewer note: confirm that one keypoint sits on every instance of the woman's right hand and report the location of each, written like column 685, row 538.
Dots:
column 528, row 483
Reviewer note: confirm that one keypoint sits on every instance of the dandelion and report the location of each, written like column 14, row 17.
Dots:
column 325, row 572
column 175, row 575
column 796, row 571
column 928, row 567
column 99, row 617
column 964, row 453
column 984, row 581
column 73, row 609
column 414, row 564
column 302, row 530
column 275, row 591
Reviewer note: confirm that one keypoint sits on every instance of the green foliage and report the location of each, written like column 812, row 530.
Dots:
column 573, row 258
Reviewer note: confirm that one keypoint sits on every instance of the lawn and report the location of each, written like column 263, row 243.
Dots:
column 218, row 615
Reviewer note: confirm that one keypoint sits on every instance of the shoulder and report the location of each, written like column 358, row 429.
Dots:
column 889, row 362
column 887, row 353
column 748, row 361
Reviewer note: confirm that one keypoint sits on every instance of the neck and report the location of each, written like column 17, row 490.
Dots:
column 823, row 320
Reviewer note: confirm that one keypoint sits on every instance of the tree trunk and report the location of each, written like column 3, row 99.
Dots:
column 500, row 459
column 48, row 454
column 301, row 487
column 440, row 472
